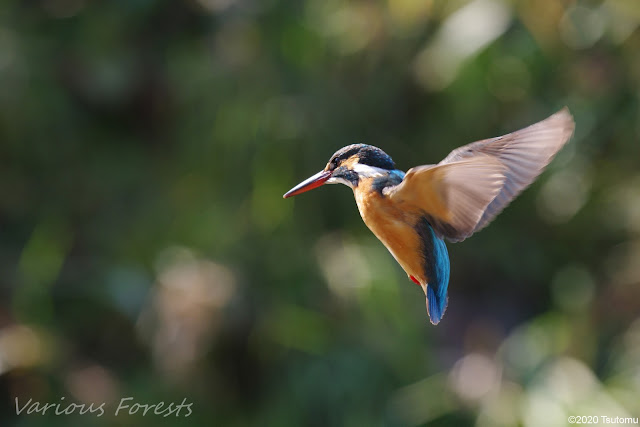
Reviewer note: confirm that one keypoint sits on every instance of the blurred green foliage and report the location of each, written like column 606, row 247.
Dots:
column 146, row 251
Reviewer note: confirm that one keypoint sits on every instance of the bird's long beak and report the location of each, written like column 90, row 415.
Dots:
column 309, row 184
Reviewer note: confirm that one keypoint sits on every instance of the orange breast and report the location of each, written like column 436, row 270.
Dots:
column 394, row 226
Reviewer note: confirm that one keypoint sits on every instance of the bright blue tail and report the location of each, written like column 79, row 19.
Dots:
column 438, row 273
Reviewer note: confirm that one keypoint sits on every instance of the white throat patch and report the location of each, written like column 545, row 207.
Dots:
column 334, row 180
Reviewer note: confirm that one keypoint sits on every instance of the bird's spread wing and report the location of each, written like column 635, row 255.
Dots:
column 474, row 183
column 452, row 196
column 523, row 153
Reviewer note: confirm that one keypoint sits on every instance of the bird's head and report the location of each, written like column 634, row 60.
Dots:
column 349, row 166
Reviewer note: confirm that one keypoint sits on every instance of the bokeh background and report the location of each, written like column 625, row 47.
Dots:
column 146, row 250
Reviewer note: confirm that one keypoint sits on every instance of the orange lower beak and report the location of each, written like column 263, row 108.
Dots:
column 309, row 184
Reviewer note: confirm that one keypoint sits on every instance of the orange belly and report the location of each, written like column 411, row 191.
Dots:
column 394, row 227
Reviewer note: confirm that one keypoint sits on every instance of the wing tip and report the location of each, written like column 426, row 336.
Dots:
column 565, row 118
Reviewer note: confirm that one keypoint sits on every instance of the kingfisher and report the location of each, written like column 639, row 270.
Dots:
column 412, row 213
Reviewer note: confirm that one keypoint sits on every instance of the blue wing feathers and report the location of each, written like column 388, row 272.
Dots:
column 438, row 273
column 436, row 269
column 433, row 307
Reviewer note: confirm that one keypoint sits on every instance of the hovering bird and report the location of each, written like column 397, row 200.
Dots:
column 412, row 213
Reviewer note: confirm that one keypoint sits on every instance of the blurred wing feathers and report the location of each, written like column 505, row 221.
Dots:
column 453, row 196
column 523, row 153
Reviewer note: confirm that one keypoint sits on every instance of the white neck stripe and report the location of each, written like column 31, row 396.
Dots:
column 367, row 171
